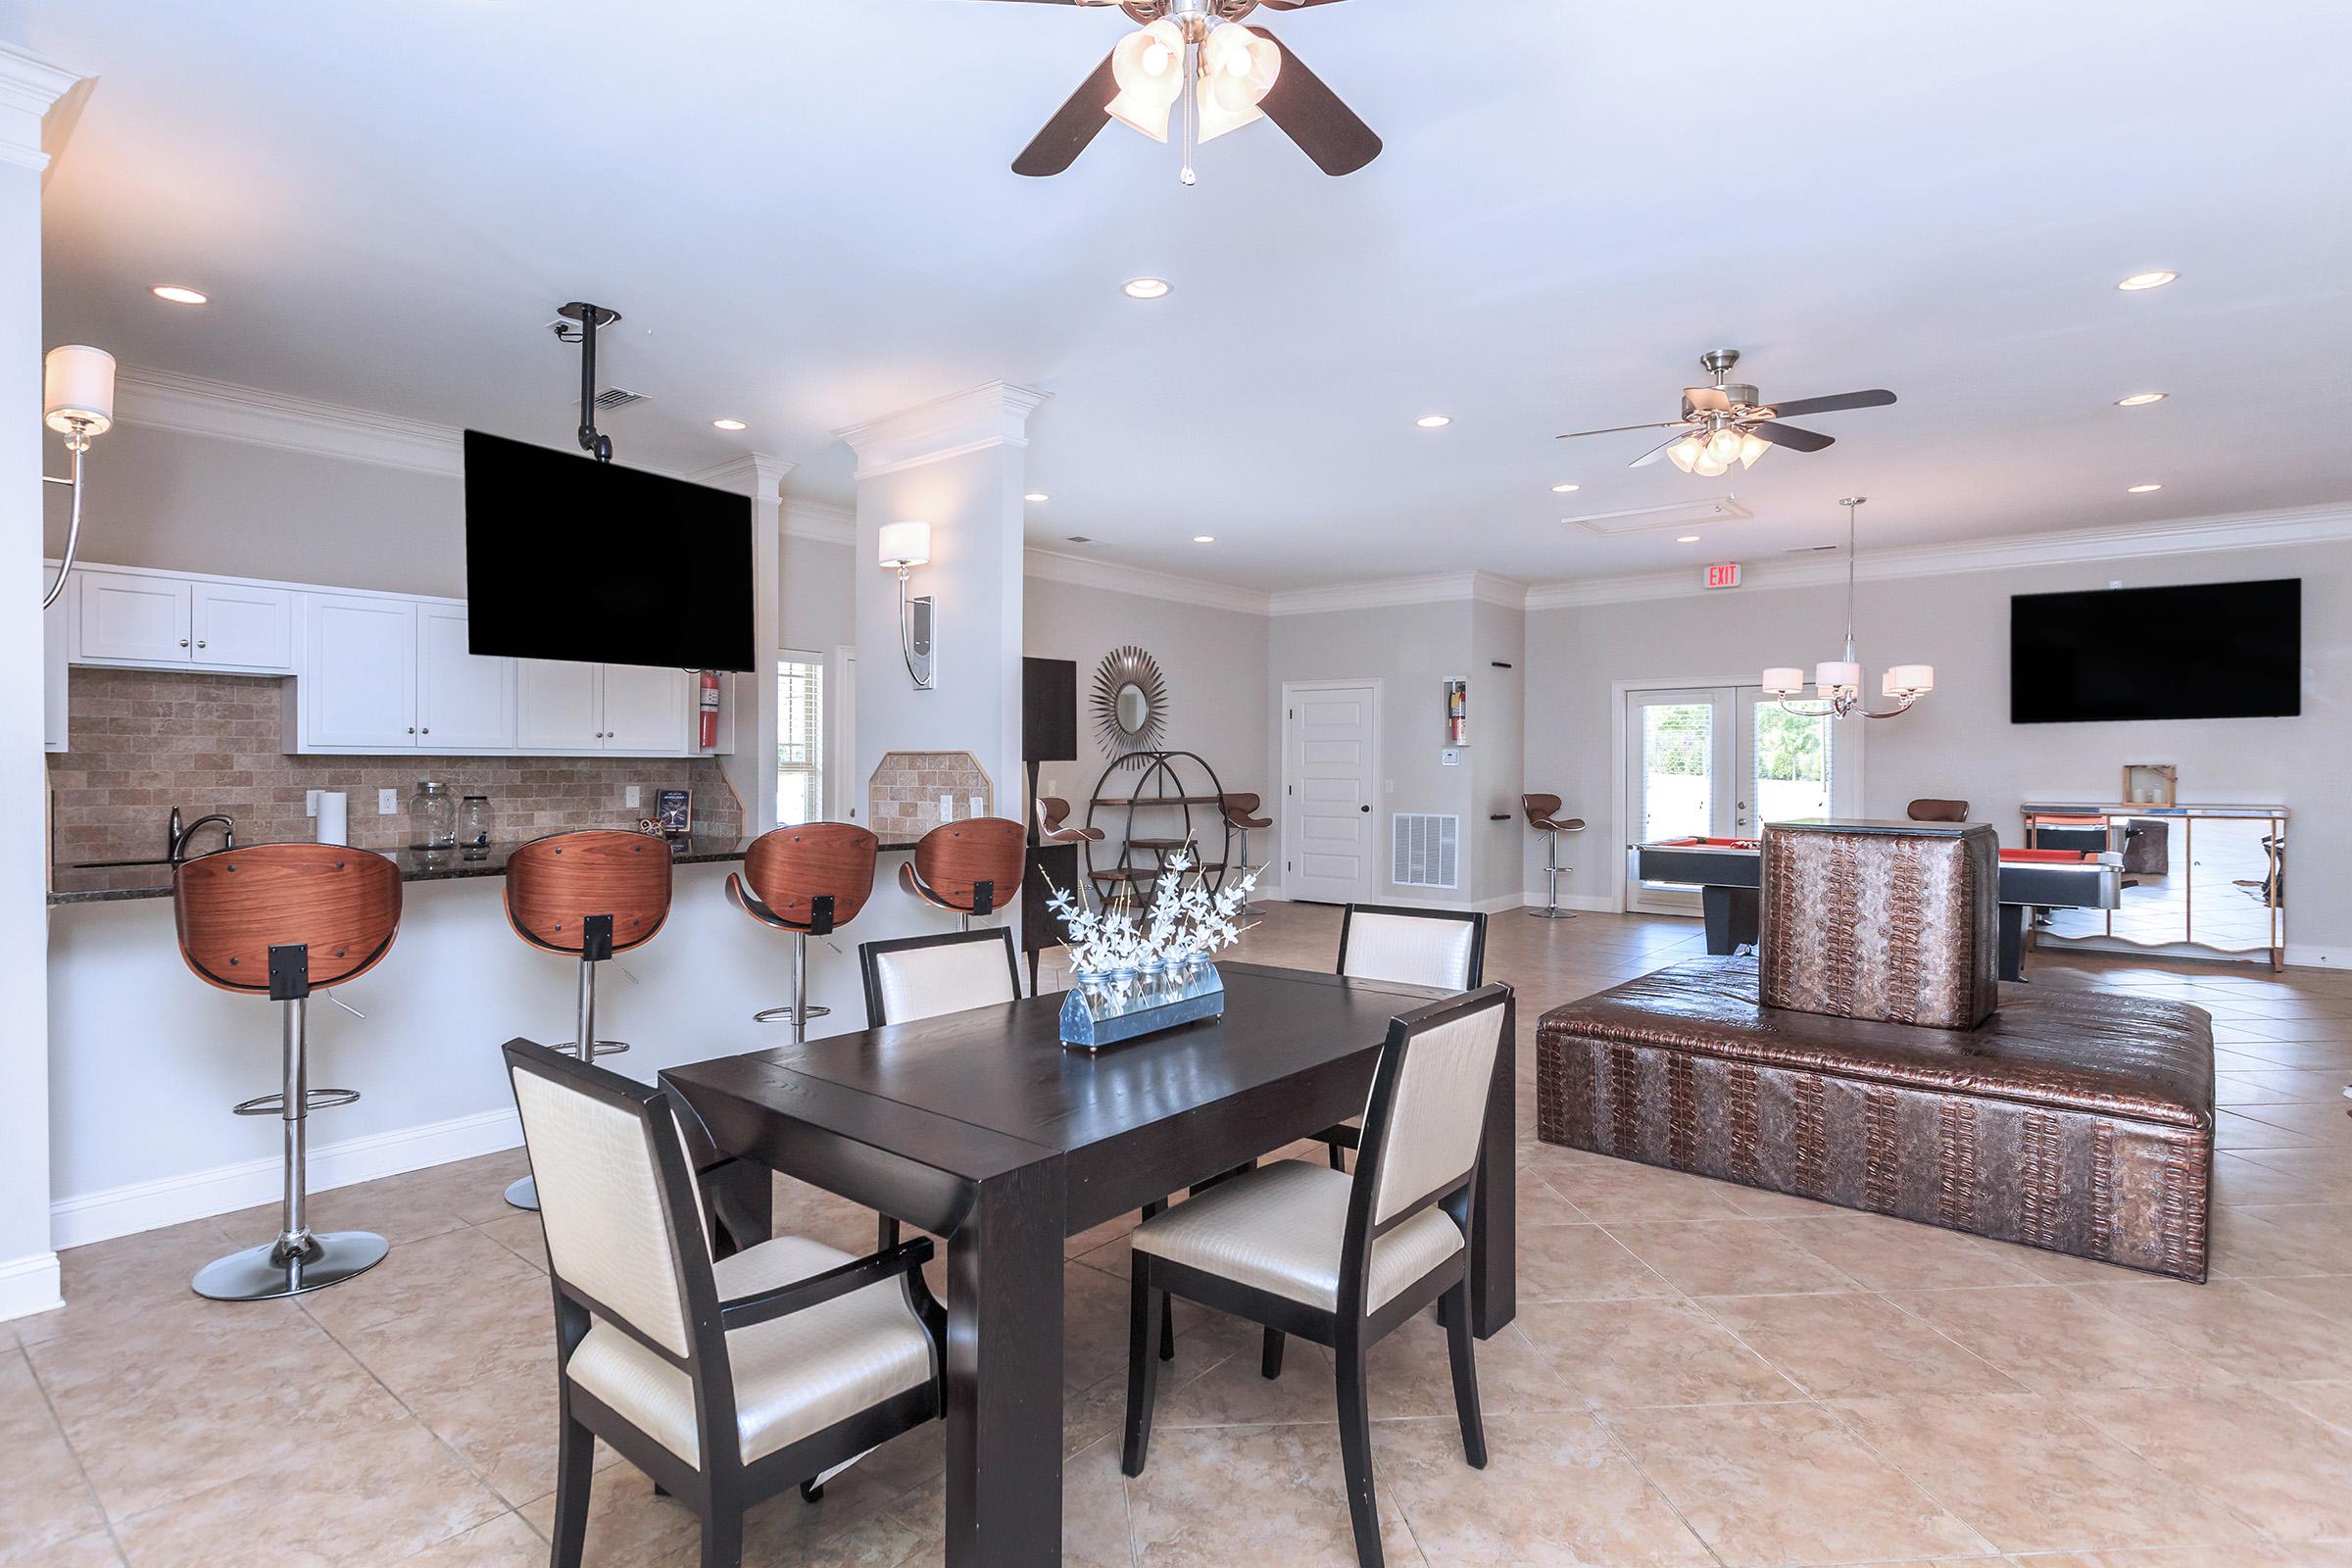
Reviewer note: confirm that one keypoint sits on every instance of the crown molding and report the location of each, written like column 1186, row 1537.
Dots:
column 819, row 520
column 1439, row 588
column 196, row 405
column 756, row 474
column 1106, row 577
column 29, row 84
column 993, row 415
column 2253, row 530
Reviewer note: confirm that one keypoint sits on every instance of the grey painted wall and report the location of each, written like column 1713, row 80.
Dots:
column 818, row 598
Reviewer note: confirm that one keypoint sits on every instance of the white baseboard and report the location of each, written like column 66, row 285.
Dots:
column 1583, row 903
column 1495, row 905
column 225, row 1188
column 28, row 1284
column 2313, row 956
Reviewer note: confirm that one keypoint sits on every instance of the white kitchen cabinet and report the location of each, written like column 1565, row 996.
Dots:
column 56, row 633
column 358, row 685
column 464, row 700
column 646, row 710
column 130, row 618
column 559, row 706
column 241, row 626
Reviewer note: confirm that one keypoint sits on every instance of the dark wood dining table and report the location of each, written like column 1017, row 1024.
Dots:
column 983, row 1129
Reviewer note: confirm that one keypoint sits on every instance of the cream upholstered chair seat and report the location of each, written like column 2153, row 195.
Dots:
column 1412, row 947
column 1281, row 1227
column 794, row 1375
column 925, row 982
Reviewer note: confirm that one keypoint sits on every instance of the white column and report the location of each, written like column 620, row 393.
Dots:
column 29, row 85
column 752, row 769
column 958, row 464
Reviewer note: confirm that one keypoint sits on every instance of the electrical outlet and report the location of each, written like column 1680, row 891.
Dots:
column 309, row 802
column 629, row 795
column 387, row 803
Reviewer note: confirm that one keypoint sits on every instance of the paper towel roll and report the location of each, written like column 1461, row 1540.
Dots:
column 333, row 806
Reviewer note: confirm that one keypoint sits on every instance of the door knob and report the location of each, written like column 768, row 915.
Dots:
column 1364, row 808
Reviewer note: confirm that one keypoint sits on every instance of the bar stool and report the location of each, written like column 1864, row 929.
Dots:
column 1241, row 811
column 969, row 867
column 810, row 880
column 1544, row 815
column 1052, row 816
column 276, row 920
column 592, row 895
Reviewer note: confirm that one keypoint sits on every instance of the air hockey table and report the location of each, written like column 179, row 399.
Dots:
column 1729, row 873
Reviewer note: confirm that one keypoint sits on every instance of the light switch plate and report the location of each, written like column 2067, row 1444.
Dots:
column 629, row 795
column 309, row 802
column 387, row 803
column 1450, row 757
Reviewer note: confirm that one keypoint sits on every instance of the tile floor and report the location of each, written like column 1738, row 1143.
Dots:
column 1699, row 1374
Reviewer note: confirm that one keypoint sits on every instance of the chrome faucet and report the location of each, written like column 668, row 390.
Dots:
column 179, row 834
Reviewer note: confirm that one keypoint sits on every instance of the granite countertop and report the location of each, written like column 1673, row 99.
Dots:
column 152, row 880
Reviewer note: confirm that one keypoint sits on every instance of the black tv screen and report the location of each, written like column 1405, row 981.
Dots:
column 2222, row 649
column 567, row 558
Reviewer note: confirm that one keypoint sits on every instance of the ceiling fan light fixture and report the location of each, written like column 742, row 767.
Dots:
column 1149, row 67
column 1752, row 447
column 1238, row 69
column 1707, row 465
column 1686, row 452
column 1724, row 446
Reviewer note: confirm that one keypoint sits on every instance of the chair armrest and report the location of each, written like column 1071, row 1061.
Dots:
column 818, row 1288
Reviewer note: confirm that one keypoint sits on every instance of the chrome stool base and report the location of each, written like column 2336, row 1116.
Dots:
column 523, row 1192
column 265, row 1273
column 1552, row 868
column 784, row 1014
column 1553, row 914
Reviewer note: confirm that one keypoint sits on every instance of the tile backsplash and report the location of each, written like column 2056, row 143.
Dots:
column 142, row 741
column 902, row 796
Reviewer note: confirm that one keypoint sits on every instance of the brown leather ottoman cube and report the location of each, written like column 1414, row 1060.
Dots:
column 2078, row 1121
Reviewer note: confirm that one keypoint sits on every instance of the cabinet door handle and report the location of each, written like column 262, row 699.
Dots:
column 199, row 642
column 183, row 642
column 428, row 729
column 412, row 729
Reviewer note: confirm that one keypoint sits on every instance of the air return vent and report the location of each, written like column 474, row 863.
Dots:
column 1674, row 515
column 1425, row 850
column 614, row 397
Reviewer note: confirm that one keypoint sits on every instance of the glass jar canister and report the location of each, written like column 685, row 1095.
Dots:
column 473, row 826
column 432, row 817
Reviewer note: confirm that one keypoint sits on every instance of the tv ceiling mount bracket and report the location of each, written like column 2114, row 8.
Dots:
column 579, row 323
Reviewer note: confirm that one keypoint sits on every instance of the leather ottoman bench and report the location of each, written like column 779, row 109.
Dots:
column 2078, row 1121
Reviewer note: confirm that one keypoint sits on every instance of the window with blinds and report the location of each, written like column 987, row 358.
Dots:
column 799, row 739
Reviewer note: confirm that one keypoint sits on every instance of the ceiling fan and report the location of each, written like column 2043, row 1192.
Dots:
column 1728, row 423
column 1238, row 75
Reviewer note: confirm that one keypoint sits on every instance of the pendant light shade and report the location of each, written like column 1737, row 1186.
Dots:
column 1238, row 69
column 78, row 386
column 1149, row 67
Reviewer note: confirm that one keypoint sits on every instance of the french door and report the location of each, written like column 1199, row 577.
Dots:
column 1719, row 762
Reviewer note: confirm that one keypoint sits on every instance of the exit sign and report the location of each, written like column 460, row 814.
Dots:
column 1724, row 574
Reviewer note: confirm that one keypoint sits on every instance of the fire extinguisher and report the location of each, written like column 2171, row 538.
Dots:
column 709, row 704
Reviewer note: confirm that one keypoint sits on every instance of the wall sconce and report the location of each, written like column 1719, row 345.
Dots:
column 906, row 545
column 78, row 400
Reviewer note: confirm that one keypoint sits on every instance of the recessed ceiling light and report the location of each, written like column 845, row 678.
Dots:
column 177, row 295
column 729, row 424
column 1148, row 288
column 1205, row 538
column 1688, row 539
column 1565, row 489
column 1433, row 421
column 2141, row 489
column 2139, row 280
column 2139, row 400
column 1037, row 495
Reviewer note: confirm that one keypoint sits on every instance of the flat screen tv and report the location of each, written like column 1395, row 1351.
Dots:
column 567, row 558
column 2220, row 650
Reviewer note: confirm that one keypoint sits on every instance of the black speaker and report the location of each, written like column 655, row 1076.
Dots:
column 1049, row 711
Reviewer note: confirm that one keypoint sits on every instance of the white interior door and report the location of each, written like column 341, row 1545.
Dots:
column 1331, row 762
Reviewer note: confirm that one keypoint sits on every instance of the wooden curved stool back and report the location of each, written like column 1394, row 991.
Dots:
column 279, row 921
column 557, row 884
column 971, row 867
column 1544, row 815
column 810, row 880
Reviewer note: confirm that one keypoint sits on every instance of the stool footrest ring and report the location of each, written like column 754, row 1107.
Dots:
column 315, row 1100
column 784, row 1014
column 604, row 1048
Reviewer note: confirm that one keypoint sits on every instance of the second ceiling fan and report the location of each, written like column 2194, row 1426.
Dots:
column 1235, row 75
column 1730, row 422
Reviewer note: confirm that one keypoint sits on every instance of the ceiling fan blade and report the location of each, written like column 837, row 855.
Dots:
column 1654, row 453
column 1312, row 116
column 1790, row 436
column 1662, row 424
column 1878, row 398
column 1073, row 125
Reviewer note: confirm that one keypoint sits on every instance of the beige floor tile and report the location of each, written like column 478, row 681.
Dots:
column 2051, row 1341
column 1885, row 1254
column 628, row 1527
column 118, row 1287
column 1848, row 1346
column 472, row 1190
column 1095, row 1530
column 1628, row 1355
column 2328, row 1295
column 2210, row 1556
column 1769, row 1484
column 1728, row 1257
column 2029, row 1475
column 521, row 1235
column 2329, row 1401
column 45, row 1505
column 2323, row 1126
column 95, row 1551
column 2278, row 1469
column 1582, row 1263
column 1623, row 1192
column 2240, row 1130
column 1410, row 1375
column 2283, row 1238
column 2254, row 1177
column 1557, row 1492
column 505, row 1542
column 2233, row 1327
column 1233, row 1394
column 1250, row 1496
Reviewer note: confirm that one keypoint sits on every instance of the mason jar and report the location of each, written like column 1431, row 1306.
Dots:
column 432, row 817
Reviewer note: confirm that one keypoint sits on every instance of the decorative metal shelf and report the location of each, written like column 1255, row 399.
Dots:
column 1170, row 782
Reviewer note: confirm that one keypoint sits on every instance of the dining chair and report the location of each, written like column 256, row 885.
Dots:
column 725, row 1382
column 1343, row 1260
column 1443, row 948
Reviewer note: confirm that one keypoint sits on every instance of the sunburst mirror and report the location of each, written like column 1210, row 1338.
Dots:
column 1131, row 701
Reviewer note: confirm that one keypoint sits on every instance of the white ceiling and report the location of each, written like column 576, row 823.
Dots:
column 806, row 214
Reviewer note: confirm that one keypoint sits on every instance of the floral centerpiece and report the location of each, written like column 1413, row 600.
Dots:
column 1135, row 974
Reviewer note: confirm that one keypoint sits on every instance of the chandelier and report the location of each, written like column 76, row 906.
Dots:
column 1228, row 69
column 1837, row 682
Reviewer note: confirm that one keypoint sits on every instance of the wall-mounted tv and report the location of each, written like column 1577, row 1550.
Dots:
column 567, row 558
column 2221, row 650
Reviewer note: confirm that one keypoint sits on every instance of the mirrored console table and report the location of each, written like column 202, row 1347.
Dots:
column 2199, row 876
